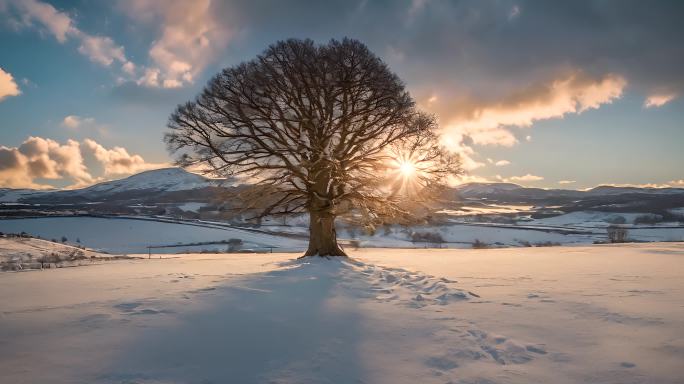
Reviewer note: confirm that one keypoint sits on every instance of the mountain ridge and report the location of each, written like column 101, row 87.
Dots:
column 178, row 180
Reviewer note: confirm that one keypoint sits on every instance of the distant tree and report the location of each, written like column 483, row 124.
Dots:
column 324, row 129
column 64, row 239
column 617, row 233
column 234, row 245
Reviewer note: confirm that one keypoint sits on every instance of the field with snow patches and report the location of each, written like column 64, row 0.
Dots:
column 134, row 235
column 596, row 314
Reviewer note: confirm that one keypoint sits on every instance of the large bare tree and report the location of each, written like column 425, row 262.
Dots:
column 325, row 129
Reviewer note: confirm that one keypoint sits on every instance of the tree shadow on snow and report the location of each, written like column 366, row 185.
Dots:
column 281, row 326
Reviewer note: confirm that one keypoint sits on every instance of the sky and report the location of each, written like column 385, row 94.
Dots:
column 551, row 94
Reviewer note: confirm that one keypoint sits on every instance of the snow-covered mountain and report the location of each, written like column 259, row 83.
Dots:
column 9, row 195
column 612, row 190
column 166, row 179
column 510, row 189
column 485, row 188
column 175, row 187
column 158, row 183
column 602, row 198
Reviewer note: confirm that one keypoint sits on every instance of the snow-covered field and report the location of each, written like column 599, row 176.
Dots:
column 126, row 236
column 17, row 253
column 598, row 314
column 134, row 235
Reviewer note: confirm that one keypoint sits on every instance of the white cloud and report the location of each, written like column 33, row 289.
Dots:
column 128, row 67
column 465, row 151
column 464, row 179
column 466, row 122
column 524, row 178
column 190, row 36
column 645, row 185
column 75, row 122
column 8, row 87
column 59, row 24
column 38, row 159
column 99, row 49
column 502, row 163
column 117, row 161
column 659, row 99
column 150, row 78
column 514, row 12
column 567, row 182
column 490, row 123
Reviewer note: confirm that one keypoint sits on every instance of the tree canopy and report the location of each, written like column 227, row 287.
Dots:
column 320, row 128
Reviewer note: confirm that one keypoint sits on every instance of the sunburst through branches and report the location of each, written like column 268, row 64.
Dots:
column 417, row 165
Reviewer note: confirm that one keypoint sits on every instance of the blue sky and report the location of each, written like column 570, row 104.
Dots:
column 532, row 92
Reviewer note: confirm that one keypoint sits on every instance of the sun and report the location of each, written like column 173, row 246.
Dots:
column 407, row 168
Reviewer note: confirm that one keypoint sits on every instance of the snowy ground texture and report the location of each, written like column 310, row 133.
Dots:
column 599, row 314
column 18, row 253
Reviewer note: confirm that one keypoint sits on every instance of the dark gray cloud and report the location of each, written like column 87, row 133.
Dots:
column 484, row 49
column 490, row 47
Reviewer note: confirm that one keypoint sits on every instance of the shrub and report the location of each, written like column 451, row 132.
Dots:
column 427, row 237
column 234, row 245
column 477, row 244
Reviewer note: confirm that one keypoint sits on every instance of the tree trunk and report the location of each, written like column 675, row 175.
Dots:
column 322, row 235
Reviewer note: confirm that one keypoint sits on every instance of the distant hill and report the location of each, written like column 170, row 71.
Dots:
column 154, row 191
column 602, row 198
column 158, row 184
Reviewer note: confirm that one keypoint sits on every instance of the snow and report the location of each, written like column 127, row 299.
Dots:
column 486, row 188
column 125, row 236
column 586, row 219
column 168, row 179
column 599, row 314
column 20, row 250
column 129, row 235
column 191, row 207
column 488, row 210
column 677, row 211
column 8, row 195
column 165, row 179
